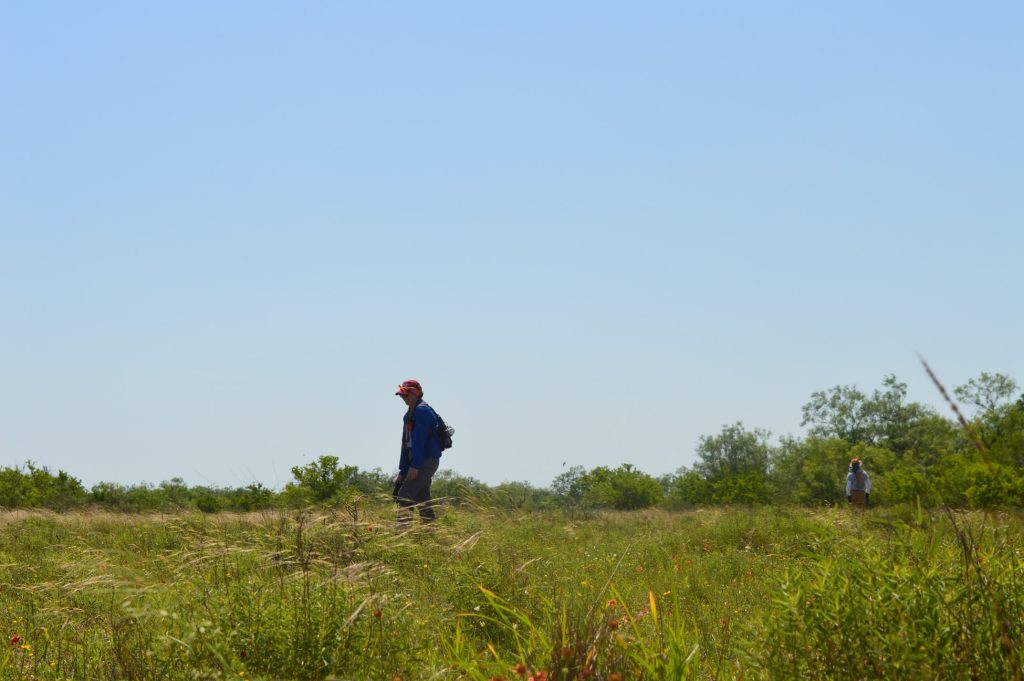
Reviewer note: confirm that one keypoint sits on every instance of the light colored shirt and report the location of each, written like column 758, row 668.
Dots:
column 851, row 482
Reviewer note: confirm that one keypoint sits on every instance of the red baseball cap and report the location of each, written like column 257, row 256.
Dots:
column 406, row 386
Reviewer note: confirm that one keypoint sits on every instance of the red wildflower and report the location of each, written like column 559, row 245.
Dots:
column 566, row 652
column 615, row 676
column 15, row 640
column 520, row 669
column 376, row 613
column 613, row 624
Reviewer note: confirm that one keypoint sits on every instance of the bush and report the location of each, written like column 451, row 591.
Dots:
column 321, row 482
column 908, row 485
column 918, row 606
column 623, row 488
column 34, row 487
column 688, row 489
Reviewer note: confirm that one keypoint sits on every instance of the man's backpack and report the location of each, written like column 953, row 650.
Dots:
column 443, row 433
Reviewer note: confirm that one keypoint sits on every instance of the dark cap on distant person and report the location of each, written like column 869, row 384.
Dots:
column 407, row 386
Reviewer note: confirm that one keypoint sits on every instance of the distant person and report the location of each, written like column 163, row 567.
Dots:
column 421, row 455
column 858, row 484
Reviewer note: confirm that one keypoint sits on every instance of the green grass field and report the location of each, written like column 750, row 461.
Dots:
column 483, row 594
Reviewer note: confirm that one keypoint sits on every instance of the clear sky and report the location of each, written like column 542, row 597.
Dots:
column 595, row 231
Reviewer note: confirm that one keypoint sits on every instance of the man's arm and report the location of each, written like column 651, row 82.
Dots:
column 403, row 460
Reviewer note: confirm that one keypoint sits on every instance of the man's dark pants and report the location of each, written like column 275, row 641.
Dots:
column 417, row 493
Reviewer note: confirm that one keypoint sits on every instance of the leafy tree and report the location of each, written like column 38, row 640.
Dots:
column 734, row 463
column 253, row 497
column 208, row 500
column 450, row 486
column 839, row 413
column 568, row 486
column 883, row 418
column 372, row 482
column 521, row 495
column 175, row 492
column 811, row 471
column 998, row 420
column 688, row 489
column 35, row 487
column 623, row 488
column 908, row 484
column 991, row 485
column 322, row 481
column 928, row 439
column 988, row 393
column 967, row 480
column 1005, row 435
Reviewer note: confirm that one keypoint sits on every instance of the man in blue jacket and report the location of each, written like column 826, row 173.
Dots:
column 421, row 454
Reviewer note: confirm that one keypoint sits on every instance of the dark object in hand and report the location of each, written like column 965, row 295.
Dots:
column 398, row 486
column 849, row 497
column 867, row 498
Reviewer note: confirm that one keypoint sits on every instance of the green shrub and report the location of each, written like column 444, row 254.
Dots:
column 34, row 487
column 623, row 488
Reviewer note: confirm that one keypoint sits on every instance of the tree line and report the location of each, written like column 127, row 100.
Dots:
column 913, row 453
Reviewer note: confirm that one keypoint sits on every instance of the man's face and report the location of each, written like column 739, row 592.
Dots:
column 410, row 396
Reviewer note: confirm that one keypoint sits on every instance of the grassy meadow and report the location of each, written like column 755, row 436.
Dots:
column 485, row 594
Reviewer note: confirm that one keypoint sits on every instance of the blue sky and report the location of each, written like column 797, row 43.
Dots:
column 594, row 232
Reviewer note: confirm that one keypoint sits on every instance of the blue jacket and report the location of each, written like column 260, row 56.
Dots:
column 418, row 439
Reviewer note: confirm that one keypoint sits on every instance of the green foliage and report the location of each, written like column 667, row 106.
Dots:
column 568, row 487
column 734, row 451
column 34, row 487
column 926, row 603
column 323, row 481
column 744, row 488
column 175, row 495
column 452, row 488
column 912, row 453
column 1002, row 430
column 623, row 488
column 521, row 495
column 372, row 482
column 254, row 497
column 811, row 471
column 908, row 484
column 988, row 394
column 884, row 418
column 991, row 486
column 688, row 489
column 734, row 464
column 485, row 594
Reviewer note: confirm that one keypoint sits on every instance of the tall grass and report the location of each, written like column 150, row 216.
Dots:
column 484, row 594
